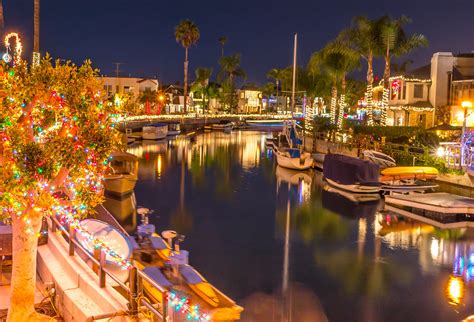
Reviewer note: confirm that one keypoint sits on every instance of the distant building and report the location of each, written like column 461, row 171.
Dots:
column 175, row 99
column 249, row 99
column 132, row 85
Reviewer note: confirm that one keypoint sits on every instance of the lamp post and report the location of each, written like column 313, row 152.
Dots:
column 466, row 105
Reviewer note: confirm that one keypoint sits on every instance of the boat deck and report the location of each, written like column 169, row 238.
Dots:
column 439, row 201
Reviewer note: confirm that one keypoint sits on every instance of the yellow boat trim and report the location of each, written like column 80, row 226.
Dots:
column 396, row 171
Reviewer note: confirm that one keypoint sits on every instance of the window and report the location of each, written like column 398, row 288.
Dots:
column 126, row 89
column 404, row 91
column 418, row 91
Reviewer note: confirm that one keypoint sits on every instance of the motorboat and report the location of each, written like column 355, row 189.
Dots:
column 383, row 160
column 174, row 128
column 122, row 175
column 223, row 125
column 292, row 158
column 157, row 131
column 351, row 174
column 162, row 260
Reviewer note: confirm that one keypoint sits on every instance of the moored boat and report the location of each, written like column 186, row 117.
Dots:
column 405, row 173
column 123, row 174
column 174, row 128
column 157, row 131
column 293, row 159
column 351, row 174
column 223, row 125
column 383, row 160
column 271, row 125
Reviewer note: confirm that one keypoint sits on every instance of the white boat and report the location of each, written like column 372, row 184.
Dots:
column 223, row 125
column 351, row 174
column 272, row 125
column 383, row 160
column 293, row 159
column 174, row 128
column 157, row 131
column 123, row 174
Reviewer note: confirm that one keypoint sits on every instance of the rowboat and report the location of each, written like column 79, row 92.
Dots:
column 404, row 173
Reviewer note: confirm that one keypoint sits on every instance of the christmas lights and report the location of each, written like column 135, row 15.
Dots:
column 183, row 305
column 342, row 105
column 18, row 48
column 370, row 104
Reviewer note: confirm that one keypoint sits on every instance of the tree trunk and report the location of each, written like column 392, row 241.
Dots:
column 185, row 80
column 342, row 103
column 36, row 45
column 369, row 92
column 386, row 88
column 231, row 100
column 23, row 282
column 2, row 18
column 333, row 103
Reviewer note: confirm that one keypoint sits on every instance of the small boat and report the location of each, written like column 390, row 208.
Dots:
column 293, row 159
column 406, row 173
column 383, row 160
column 123, row 174
column 174, row 128
column 351, row 174
column 271, row 125
column 319, row 160
column 223, row 125
column 157, row 131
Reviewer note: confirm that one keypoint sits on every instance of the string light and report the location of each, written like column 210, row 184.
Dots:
column 342, row 105
column 18, row 48
column 183, row 305
column 333, row 105
column 370, row 104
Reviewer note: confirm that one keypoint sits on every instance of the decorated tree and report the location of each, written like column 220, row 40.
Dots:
column 56, row 135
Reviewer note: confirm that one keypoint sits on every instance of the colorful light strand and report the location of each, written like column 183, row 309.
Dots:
column 183, row 305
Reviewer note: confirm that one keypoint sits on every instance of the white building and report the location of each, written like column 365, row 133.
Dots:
column 132, row 85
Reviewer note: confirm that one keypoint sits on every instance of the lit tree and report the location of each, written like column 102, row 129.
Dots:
column 202, row 86
column 395, row 42
column 56, row 136
column 187, row 34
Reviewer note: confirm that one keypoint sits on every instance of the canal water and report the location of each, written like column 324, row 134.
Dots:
column 287, row 248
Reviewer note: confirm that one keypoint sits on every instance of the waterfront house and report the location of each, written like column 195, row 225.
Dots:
column 249, row 99
column 133, row 85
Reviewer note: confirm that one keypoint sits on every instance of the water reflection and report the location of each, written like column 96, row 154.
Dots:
column 288, row 248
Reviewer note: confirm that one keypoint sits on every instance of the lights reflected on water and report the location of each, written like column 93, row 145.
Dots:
column 455, row 290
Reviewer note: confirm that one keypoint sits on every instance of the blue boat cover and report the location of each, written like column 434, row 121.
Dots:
column 348, row 170
column 294, row 153
column 190, row 275
column 294, row 138
column 133, row 242
column 158, row 242
column 156, row 275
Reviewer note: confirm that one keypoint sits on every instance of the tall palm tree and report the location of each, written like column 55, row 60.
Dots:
column 186, row 33
column 201, row 84
column 222, row 40
column 277, row 74
column 395, row 41
column 336, row 59
column 36, row 45
column 2, row 18
column 230, row 67
column 363, row 38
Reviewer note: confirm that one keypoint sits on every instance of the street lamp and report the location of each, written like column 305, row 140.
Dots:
column 466, row 105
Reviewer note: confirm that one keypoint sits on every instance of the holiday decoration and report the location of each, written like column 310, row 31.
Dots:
column 18, row 48
column 396, row 84
column 183, row 305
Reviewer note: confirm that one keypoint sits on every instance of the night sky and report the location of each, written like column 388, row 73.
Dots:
column 140, row 33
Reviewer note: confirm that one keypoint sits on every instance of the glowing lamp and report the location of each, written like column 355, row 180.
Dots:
column 440, row 152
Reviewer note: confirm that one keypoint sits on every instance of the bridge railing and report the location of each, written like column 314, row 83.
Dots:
column 134, row 289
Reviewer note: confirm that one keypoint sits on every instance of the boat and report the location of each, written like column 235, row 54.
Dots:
column 223, row 125
column 351, row 174
column 157, row 131
column 174, row 128
column 168, row 267
column 122, row 176
column 292, row 158
column 383, row 160
column 271, row 125
column 318, row 160
column 407, row 173
column 349, row 205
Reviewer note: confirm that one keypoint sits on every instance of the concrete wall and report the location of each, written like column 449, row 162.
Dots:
column 441, row 64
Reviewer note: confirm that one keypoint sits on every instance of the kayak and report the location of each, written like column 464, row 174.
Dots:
column 399, row 173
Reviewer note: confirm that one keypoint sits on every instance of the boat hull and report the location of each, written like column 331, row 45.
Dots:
column 155, row 132
column 354, row 188
column 220, row 127
column 120, row 184
column 293, row 163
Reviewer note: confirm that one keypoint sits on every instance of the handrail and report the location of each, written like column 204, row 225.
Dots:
column 135, row 288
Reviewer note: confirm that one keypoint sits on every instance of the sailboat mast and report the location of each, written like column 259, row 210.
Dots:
column 294, row 76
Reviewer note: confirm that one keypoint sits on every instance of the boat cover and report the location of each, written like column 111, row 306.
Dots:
column 347, row 208
column 190, row 274
column 156, row 275
column 294, row 153
column 347, row 170
column 158, row 242
column 294, row 137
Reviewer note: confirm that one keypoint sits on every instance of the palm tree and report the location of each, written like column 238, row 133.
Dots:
column 36, row 45
column 277, row 74
column 2, row 18
column 186, row 33
column 267, row 91
column 363, row 38
column 149, row 98
column 314, row 85
column 395, row 42
column 222, row 40
column 230, row 66
column 336, row 59
column 201, row 84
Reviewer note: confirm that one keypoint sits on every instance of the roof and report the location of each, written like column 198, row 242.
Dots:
column 154, row 81
column 423, row 72
column 425, row 105
column 458, row 75
column 465, row 55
